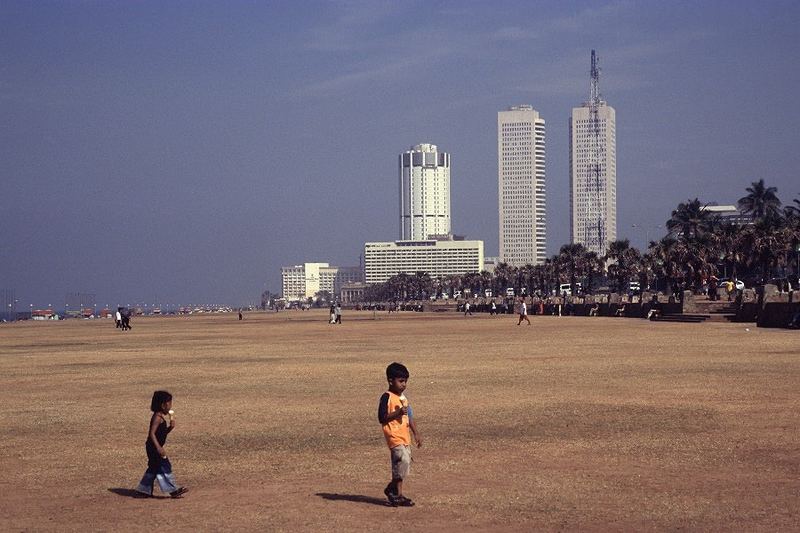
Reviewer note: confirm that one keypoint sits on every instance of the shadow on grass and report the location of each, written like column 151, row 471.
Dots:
column 131, row 493
column 357, row 498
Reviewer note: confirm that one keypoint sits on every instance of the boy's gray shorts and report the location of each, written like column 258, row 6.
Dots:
column 401, row 461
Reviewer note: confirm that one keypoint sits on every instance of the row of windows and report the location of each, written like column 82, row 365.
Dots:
column 448, row 254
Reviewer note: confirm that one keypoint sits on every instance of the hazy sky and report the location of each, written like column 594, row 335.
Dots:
column 182, row 152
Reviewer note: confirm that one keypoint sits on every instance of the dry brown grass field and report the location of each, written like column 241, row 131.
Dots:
column 569, row 424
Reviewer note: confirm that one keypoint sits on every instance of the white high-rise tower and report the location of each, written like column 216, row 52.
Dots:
column 424, row 192
column 521, row 186
column 593, row 170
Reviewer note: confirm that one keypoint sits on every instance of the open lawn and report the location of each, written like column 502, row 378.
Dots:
column 568, row 424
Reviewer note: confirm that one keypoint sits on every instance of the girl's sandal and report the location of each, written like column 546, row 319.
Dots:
column 178, row 493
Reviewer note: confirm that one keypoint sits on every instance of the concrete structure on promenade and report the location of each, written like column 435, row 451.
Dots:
column 521, row 186
column 593, row 170
column 300, row 282
column 383, row 260
column 424, row 192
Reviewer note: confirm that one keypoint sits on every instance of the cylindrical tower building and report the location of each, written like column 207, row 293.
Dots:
column 424, row 192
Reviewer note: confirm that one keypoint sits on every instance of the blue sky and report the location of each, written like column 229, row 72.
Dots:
column 184, row 151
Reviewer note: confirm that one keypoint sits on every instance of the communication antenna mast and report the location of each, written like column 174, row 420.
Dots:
column 595, row 229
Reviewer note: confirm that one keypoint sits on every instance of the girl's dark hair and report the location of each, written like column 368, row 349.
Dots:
column 396, row 370
column 159, row 397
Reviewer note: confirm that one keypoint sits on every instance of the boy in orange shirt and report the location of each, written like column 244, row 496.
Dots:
column 396, row 417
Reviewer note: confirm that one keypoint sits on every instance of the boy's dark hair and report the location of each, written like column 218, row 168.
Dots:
column 159, row 397
column 396, row 370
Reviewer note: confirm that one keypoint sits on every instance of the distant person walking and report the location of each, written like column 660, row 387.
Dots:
column 729, row 288
column 467, row 309
column 523, row 312
column 338, row 313
column 240, row 314
column 713, row 281
column 332, row 311
column 493, row 309
column 118, row 318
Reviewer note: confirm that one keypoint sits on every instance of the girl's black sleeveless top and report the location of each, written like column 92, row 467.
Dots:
column 161, row 435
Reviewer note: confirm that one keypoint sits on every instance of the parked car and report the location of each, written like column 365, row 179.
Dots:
column 567, row 288
column 783, row 283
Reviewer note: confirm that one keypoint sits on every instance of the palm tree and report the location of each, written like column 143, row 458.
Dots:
column 646, row 268
column 472, row 281
column 539, row 278
column 792, row 210
column 451, row 283
column 761, row 201
column 486, row 281
column 402, row 286
column 622, row 259
column 689, row 220
column 522, row 282
column 727, row 246
column 593, row 266
column 503, row 274
column 769, row 245
column 553, row 272
column 571, row 256
column 667, row 257
column 422, row 285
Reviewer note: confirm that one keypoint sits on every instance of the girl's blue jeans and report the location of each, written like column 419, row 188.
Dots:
column 163, row 474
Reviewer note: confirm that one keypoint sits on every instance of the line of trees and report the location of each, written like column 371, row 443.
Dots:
column 699, row 244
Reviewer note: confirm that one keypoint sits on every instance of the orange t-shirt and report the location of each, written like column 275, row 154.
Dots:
column 395, row 430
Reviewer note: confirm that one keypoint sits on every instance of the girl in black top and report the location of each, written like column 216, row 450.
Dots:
column 158, row 465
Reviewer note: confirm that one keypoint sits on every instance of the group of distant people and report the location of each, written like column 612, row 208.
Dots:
column 122, row 318
column 336, row 313
column 727, row 285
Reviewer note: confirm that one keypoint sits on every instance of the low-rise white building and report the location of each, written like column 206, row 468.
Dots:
column 383, row 260
column 299, row 282
column 728, row 213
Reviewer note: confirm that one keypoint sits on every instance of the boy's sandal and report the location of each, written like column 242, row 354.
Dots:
column 402, row 501
column 178, row 493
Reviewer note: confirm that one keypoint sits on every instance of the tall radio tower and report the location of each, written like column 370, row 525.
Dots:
column 594, row 232
column 593, row 171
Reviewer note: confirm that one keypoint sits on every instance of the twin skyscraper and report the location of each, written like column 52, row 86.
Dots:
column 522, row 181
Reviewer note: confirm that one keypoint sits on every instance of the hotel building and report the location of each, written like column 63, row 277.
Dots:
column 383, row 260
column 424, row 192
